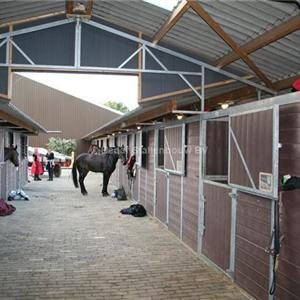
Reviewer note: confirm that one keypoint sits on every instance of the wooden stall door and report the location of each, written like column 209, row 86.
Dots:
column 253, row 133
column 217, row 233
column 161, row 196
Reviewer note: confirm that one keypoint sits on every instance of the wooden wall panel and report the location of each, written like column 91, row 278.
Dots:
column 253, row 233
column 191, row 188
column 216, row 239
column 174, row 204
column 288, row 286
column 254, row 134
column 161, row 196
column 150, row 173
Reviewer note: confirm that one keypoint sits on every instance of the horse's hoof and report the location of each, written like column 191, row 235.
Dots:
column 105, row 194
column 84, row 193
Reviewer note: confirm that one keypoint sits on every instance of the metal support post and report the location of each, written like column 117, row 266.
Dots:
column 203, row 88
column 77, row 48
column 201, row 209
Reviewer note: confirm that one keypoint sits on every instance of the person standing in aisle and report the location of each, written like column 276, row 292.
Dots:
column 50, row 165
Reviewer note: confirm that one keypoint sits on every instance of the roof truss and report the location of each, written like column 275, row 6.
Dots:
column 171, row 21
column 229, row 41
column 263, row 40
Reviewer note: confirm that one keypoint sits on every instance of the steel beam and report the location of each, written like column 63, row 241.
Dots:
column 242, row 157
column 177, row 54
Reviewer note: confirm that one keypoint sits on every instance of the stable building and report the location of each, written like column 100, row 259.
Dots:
column 211, row 176
column 15, row 129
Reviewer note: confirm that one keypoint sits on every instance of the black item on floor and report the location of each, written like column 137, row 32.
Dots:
column 137, row 210
column 121, row 194
column 292, row 183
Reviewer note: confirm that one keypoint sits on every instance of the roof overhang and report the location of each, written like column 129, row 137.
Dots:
column 14, row 119
column 132, row 119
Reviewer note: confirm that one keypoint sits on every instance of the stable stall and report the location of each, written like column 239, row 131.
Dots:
column 213, row 179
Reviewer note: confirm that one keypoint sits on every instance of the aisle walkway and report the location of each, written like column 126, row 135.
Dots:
column 61, row 245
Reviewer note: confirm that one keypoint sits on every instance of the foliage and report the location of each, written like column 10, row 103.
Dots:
column 117, row 106
column 64, row 146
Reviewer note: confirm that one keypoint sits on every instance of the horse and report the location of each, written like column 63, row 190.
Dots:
column 104, row 162
column 11, row 154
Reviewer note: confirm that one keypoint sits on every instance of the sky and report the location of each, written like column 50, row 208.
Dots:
column 93, row 88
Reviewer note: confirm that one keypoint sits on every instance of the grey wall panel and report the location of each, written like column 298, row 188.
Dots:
column 2, row 53
column 3, row 80
column 153, row 84
column 103, row 49
column 52, row 46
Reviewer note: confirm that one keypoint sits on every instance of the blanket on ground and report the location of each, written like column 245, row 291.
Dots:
column 6, row 209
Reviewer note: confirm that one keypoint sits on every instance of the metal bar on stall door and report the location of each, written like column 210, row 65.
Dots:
column 181, row 207
column 275, row 171
column 271, row 262
column 229, row 151
column 233, row 196
column 242, row 157
column 202, row 157
column 275, row 154
column 168, row 199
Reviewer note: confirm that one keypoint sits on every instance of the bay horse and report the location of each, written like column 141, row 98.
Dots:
column 104, row 162
column 11, row 154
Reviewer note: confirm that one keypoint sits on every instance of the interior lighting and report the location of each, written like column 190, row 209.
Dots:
column 224, row 105
column 138, row 127
column 179, row 117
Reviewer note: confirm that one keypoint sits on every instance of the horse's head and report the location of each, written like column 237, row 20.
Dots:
column 12, row 154
column 122, row 155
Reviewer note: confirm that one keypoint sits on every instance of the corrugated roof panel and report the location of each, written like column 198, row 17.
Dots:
column 137, row 15
column 13, row 10
column 242, row 20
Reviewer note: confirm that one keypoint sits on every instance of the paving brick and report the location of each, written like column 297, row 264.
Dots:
column 61, row 245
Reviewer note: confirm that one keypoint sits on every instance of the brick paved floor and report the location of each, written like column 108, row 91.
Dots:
column 61, row 245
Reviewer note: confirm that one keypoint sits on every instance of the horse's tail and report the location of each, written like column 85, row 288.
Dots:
column 74, row 174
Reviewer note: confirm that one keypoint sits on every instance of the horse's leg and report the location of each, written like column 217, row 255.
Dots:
column 82, row 175
column 106, row 177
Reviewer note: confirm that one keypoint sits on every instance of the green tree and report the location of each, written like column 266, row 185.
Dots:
column 64, row 146
column 117, row 106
